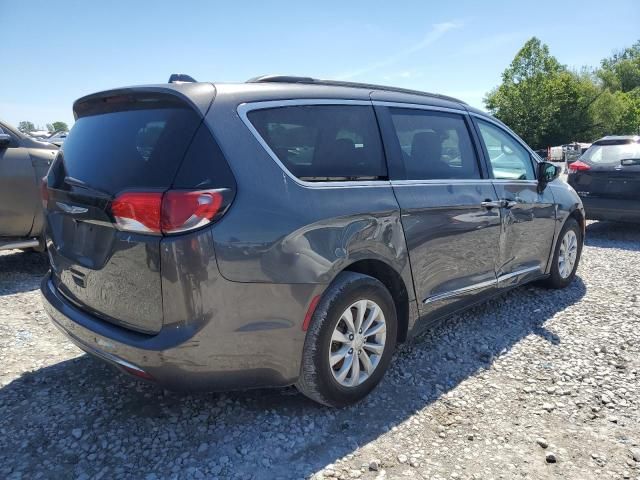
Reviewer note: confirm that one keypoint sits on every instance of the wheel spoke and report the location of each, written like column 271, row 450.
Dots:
column 373, row 314
column 339, row 337
column 376, row 329
column 366, row 362
column 374, row 347
column 347, row 317
column 345, row 368
column 361, row 309
column 355, row 370
column 338, row 355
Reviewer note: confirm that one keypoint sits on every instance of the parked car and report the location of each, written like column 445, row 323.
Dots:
column 57, row 138
column 607, row 178
column 24, row 161
column 289, row 230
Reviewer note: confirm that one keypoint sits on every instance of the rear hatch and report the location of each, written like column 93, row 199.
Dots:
column 608, row 169
column 123, row 142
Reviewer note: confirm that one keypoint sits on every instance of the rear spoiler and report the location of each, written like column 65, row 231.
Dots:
column 195, row 95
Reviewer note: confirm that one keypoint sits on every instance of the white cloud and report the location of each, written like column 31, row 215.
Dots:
column 438, row 30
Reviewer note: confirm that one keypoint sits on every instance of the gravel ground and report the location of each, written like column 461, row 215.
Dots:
column 534, row 384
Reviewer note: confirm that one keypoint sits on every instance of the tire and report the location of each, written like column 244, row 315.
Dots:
column 318, row 378
column 556, row 278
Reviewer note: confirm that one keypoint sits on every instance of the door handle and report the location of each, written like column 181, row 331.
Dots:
column 498, row 204
column 489, row 204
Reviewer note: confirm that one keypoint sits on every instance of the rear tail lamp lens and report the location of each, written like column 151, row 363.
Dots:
column 185, row 210
column 174, row 211
column 138, row 211
column 579, row 166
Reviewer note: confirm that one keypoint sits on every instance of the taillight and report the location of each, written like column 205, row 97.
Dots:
column 174, row 211
column 44, row 192
column 138, row 211
column 187, row 210
column 579, row 166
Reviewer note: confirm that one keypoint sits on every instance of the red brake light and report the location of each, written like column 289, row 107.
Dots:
column 138, row 211
column 579, row 166
column 44, row 192
column 186, row 210
column 172, row 212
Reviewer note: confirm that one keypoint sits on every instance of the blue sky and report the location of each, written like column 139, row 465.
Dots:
column 56, row 52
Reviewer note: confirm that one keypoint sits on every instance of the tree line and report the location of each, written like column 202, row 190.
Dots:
column 27, row 127
column 547, row 104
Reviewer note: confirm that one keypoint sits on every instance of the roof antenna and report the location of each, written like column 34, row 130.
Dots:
column 181, row 78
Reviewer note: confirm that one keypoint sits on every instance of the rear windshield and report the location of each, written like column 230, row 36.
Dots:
column 129, row 149
column 324, row 142
column 612, row 154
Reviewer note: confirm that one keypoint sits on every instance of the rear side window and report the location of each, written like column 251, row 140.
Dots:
column 128, row 149
column 509, row 160
column 611, row 153
column 434, row 145
column 324, row 142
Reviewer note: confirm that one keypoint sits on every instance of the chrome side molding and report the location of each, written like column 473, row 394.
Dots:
column 478, row 286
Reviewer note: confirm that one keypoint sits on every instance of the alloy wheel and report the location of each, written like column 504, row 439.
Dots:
column 568, row 253
column 357, row 343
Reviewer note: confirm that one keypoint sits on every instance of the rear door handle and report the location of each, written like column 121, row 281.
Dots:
column 489, row 204
column 498, row 204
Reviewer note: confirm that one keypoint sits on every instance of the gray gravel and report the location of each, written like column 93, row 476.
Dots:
column 534, row 384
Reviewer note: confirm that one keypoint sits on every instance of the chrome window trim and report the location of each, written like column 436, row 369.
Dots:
column 419, row 106
column 514, row 181
column 244, row 108
column 440, row 181
column 477, row 286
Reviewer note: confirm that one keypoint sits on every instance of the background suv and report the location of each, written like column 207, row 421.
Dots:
column 607, row 178
column 289, row 230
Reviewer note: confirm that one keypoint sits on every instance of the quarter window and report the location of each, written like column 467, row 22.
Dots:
column 324, row 142
column 434, row 145
column 509, row 160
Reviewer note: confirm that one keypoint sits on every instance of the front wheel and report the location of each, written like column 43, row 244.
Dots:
column 350, row 341
column 566, row 255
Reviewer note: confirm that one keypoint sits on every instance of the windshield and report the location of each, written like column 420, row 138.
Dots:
column 610, row 154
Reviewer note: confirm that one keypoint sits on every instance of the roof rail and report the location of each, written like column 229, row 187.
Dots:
column 340, row 83
column 181, row 78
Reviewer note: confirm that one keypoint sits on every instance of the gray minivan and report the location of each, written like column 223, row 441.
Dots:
column 289, row 230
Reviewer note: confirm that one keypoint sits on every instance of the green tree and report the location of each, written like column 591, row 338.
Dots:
column 26, row 126
column 548, row 104
column 60, row 127
column 525, row 99
column 621, row 71
column 619, row 109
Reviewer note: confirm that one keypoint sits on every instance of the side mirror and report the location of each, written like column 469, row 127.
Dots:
column 5, row 140
column 547, row 172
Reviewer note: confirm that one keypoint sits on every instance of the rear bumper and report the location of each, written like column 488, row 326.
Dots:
column 188, row 357
column 618, row 210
